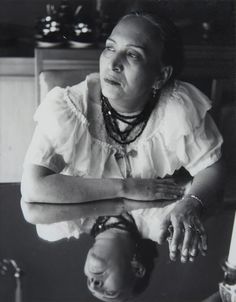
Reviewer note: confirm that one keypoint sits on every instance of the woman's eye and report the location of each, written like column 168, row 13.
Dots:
column 133, row 55
column 109, row 48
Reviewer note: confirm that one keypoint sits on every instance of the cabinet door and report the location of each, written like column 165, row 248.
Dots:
column 17, row 106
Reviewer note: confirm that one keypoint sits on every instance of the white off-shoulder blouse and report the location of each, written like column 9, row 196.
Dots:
column 70, row 137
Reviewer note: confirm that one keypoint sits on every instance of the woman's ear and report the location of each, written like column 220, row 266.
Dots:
column 138, row 269
column 164, row 76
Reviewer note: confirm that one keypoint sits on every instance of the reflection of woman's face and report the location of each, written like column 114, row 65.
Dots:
column 130, row 62
column 108, row 270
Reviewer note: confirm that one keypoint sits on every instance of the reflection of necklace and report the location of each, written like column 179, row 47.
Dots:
column 124, row 222
column 135, row 123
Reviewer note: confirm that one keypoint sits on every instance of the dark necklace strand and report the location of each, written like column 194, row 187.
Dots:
column 123, row 134
column 119, row 136
column 122, row 117
column 134, row 122
column 123, row 223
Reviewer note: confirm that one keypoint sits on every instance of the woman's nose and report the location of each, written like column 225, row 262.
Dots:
column 95, row 283
column 116, row 63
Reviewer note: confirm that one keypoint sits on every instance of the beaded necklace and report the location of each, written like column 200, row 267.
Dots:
column 124, row 222
column 135, row 123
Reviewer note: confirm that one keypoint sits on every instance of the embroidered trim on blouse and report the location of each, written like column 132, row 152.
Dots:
column 170, row 92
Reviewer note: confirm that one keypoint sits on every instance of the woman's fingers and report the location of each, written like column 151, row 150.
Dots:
column 167, row 192
column 163, row 232
column 188, row 238
column 189, row 235
column 177, row 237
column 167, row 196
column 193, row 252
column 165, row 180
column 168, row 186
column 202, row 235
column 152, row 189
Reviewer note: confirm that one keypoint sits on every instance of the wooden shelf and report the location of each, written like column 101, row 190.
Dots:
column 201, row 61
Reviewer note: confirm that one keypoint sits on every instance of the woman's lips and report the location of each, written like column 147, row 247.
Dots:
column 111, row 81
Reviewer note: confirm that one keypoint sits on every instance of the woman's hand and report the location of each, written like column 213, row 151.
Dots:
column 184, row 230
column 152, row 189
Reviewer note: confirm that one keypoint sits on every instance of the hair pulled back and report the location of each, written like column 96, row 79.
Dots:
column 146, row 255
column 166, row 32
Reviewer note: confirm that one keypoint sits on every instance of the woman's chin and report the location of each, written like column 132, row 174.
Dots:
column 111, row 93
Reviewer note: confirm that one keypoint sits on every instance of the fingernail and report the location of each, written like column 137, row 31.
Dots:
column 173, row 248
column 185, row 252
column 191, row 259
column 172, row 258
column 193, row 252
column 183, row 259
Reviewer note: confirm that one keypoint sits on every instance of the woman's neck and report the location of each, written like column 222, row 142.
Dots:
column 116, row 238
column 128, row 107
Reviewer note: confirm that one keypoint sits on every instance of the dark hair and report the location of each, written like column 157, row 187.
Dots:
column 168, row 33
column 146, row 254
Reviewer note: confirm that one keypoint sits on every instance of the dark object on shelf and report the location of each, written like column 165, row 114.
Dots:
column 83, row 32
column 49, row 31
column 63, row 26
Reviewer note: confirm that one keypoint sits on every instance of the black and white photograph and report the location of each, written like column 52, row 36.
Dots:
column 117, row 150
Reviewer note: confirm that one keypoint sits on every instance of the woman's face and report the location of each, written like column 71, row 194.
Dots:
column 109, row 272
column 130, row 64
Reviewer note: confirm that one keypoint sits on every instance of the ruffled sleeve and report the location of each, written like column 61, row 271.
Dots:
column 188, row 130
column 60, row 123
column 60, row 230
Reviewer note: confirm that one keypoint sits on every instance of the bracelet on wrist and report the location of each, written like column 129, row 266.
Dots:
column 196, row 198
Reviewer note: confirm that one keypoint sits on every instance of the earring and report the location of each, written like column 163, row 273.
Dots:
column 154, row 92
column 137, row 267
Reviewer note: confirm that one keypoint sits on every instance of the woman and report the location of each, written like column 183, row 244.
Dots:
column 105, row 146
column 120, row 262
